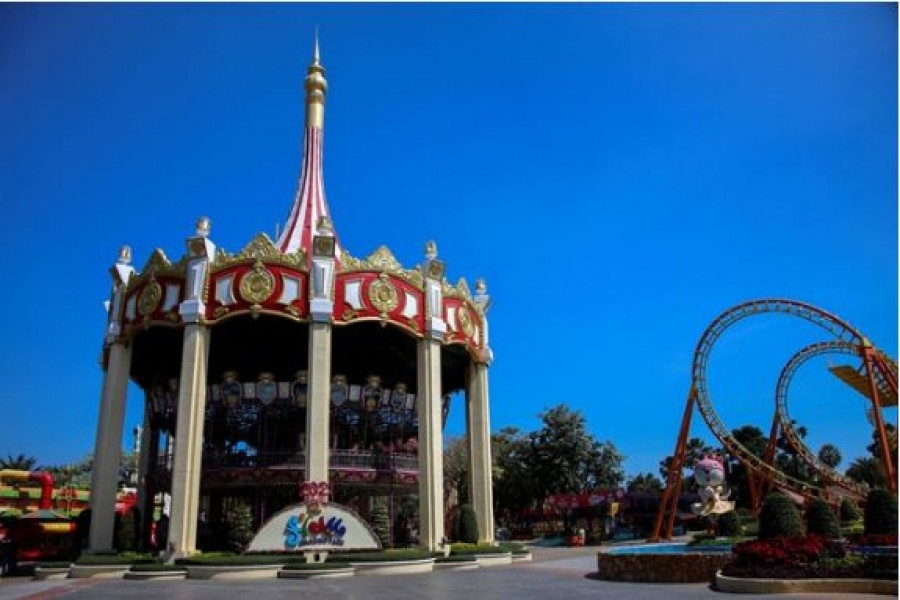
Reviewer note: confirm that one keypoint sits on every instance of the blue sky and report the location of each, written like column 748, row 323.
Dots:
column 619, row 174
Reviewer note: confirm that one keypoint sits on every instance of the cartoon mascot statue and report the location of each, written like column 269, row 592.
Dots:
column 709, row 473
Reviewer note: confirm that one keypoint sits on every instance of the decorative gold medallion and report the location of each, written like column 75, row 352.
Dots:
column 465, row 320
column 149, row 298
column 258, row 284
column 383, row 295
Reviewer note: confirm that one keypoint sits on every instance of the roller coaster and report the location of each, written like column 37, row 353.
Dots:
column 876, row 379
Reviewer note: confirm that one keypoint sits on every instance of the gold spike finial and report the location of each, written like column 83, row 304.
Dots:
column 316, row 86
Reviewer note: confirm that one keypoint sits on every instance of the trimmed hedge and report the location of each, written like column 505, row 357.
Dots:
column 326, row 566
column 456, row 558
column 820, row 520
column 126, row 558
column 235, row 560
column 384, row 556
column 730, row 524
column 779, row 517
column 157, row 568
column 881, row 513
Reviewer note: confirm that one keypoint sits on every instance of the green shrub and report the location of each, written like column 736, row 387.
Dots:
column 125, row 558
column 304, row 566
column 157, row 568
column 820, row 520
column 240, row 531
column 232, row 560
column 849, row 510
column 381, row 521
column 881, row 513
column 53, row 564
column 730, row 524
column 125, row 531
column 468, row 524
column 456, row 558
column 779, row 517
column 383, row 556
column 513, row 547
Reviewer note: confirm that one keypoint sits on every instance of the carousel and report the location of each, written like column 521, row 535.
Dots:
column 292, row 362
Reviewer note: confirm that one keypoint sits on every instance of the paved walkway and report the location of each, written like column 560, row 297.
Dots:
column 563, row 573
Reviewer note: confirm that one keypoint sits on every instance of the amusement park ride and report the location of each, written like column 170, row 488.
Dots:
column 876, row 379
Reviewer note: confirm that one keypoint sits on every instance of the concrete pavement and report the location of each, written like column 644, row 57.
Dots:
column 563, row 573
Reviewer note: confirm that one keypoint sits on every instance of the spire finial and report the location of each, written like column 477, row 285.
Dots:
column 315, row 89
column 316, row 46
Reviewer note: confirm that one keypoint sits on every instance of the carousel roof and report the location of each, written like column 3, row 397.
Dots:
column 310, row 206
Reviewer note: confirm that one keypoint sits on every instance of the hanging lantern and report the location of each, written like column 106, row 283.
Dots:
column 266, row 388
column 371, row 393
column 340, row 391
column 298, row 390
column 231, row 389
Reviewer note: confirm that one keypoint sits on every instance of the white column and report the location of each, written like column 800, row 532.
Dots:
column 317, row 404
column 191, row 398
column 321, row 305
column 431, row 450
column 188, row 442
column 478, row 432
column 108, row 448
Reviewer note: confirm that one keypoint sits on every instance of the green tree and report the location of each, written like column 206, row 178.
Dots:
column 787, row 458
column 456, row 468
column 695, row 450
column 830, row 455
column 644, row 482
column 867, row 470
column 514, row 487
column 751, row 438
column 381, row 522
column 849, row 510
column 566, row 458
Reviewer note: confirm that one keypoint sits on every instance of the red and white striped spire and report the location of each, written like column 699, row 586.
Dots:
column 309, row 204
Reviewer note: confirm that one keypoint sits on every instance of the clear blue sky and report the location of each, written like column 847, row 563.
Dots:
column 620, row 174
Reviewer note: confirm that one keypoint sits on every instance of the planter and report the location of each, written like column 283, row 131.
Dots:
column 315, row 573
column 173, row 575
column 77, row 571
column 394, row 567
column 521, row 557
column 455, row 565
column 41, row 573
column 744, row 585
column 232, row 571
column 490, row 560
column 661, row 568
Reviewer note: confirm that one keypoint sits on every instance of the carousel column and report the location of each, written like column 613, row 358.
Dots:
column 191, row 399
column 431, row 458
column 319, row 366
column 108, row 444
column 478, row 428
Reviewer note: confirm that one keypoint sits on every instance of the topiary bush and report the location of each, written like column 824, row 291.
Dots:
column 730, row 524
column 849, row 510
column 881, row 513
column 381, row 521
column 779, row 517
column 240, row 530
column 820, row 520
column 468, row 524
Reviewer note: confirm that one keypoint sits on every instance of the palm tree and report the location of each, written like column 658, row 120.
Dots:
column 19, row 463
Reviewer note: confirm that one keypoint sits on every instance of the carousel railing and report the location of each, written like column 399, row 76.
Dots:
column 342, row 459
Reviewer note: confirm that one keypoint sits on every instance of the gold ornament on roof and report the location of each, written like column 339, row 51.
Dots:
column 381, row 260
column 383, row 295
column 149, row 298
column 124, row 255
column 465, row 320
column 257, row 285
column 260, row 248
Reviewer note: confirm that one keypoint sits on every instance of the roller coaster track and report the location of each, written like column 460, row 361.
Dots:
column 843, row 334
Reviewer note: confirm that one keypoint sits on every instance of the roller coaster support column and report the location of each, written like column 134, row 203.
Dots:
column 760, row 483
column 675, row 475
column 870, row 357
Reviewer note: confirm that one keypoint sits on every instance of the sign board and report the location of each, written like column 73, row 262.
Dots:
column 327, row 527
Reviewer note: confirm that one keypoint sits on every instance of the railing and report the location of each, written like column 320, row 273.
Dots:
column 340, row 459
